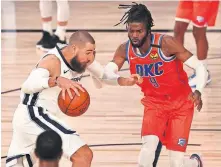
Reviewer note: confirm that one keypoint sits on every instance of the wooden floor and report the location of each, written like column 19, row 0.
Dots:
column 115, row 113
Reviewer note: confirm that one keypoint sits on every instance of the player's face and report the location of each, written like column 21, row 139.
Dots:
column 137, row 34
column 84, row 57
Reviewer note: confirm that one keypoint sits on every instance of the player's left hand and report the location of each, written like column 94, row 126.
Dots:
column 132, row 80
column 196, row 98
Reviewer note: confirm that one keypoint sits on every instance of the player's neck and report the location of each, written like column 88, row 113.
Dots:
column 48, row 163
column 144, row 48
column 66, row 53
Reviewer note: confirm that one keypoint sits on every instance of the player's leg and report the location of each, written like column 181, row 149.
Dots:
column 21, row 150
column 202, row 46
column 23, row 139
column 62, row 21
column 157, row 154
column 147, row 152
column 177, row 160
column 201, row 19
column 183, row 17
column 82, row 157
column 177, row 134
column 179, row 30
column 74, row 149
column 30, row 121
column 46, row 17
column 200, row 22
column 23, row 161
column 16, row 156
column 152, row 131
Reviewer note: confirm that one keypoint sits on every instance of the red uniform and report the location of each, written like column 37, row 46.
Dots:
column 168, row 113
column 201, row 13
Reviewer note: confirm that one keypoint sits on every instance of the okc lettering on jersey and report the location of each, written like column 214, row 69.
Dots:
column 149, row 70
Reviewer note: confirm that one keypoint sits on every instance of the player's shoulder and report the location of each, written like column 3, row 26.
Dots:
column 49, row 60
column 123, row 46
column 51, row 57
column 168, row 40
column 166, row 37
column 121, row 50
column 161, row 37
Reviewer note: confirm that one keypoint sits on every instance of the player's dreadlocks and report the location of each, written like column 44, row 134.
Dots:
column 136, row 13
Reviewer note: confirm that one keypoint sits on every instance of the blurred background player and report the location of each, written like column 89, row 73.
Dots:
column 50, row 39
column 49, row 149
column 202, row 14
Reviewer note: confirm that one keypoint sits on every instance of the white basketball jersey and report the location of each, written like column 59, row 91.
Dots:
column 48, row 98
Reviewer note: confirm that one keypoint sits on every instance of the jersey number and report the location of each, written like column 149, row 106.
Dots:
column 153, row 81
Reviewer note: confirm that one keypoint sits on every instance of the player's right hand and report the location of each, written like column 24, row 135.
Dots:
column 196, row 98
column 67, row 84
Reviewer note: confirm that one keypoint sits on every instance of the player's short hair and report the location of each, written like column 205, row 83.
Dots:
column 137, row 13
column 81, row 38
column 49, row 146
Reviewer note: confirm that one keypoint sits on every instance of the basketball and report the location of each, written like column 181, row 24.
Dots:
column 76, row 106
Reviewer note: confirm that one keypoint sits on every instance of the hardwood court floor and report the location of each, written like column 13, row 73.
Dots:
column 115, row 114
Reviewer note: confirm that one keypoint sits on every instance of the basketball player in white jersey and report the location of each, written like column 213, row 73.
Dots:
column 38, row 107
column 50, row 39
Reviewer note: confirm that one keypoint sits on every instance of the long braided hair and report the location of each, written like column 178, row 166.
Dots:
column 136, row 13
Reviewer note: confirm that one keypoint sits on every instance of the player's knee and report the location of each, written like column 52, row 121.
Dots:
column 176, row 158
column 199, row 32
column 89, row 154
column 179, row 29
column 84, row 155
column 147, row 153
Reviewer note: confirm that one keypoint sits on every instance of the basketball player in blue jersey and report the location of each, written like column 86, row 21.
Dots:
column 38, row 107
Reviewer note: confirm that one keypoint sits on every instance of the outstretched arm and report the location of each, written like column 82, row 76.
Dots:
column 116, row 64
column 108, row 74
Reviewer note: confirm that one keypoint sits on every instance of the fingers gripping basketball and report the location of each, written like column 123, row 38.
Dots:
column 76, row 106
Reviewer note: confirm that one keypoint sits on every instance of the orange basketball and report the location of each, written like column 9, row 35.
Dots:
column 76, row 106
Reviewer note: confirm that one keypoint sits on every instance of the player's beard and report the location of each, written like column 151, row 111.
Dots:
column 77, row 66
column 140, row 44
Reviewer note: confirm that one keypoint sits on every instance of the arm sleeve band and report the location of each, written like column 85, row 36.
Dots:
column 201, row 72
column 36, row 81
column 110, row 76
column 107, row 75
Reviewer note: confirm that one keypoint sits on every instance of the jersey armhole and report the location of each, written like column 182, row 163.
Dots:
column 162, row 56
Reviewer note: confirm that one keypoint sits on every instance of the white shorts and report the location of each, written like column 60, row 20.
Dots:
column 28, row 123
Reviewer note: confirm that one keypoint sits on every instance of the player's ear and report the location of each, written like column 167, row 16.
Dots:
column 74, row 49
